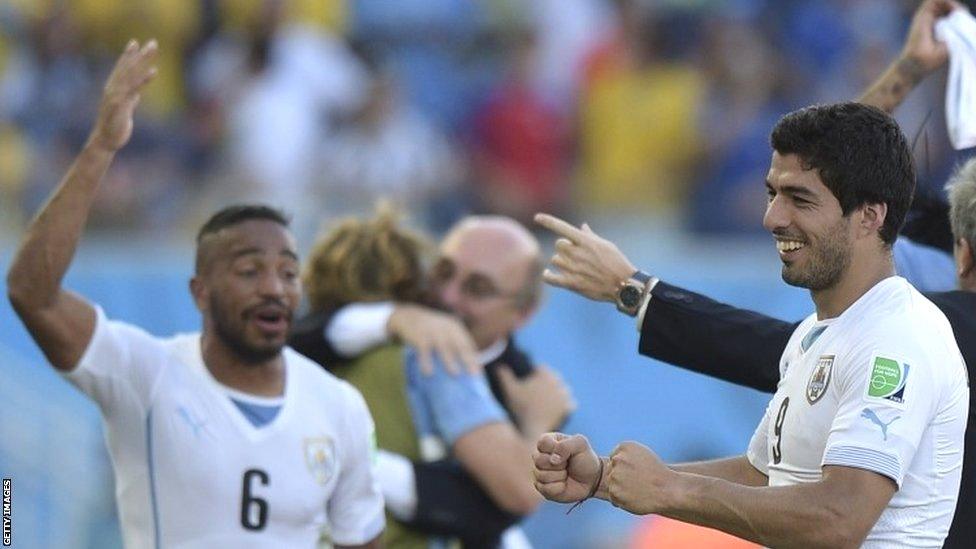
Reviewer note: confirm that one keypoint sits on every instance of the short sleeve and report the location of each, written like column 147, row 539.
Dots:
column 758, row 452
column 120, row 368
column 457, row 403
column 355, row 509
column 886, row 401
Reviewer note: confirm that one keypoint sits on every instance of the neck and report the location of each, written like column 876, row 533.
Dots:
column 262, row 378
column 861, row 276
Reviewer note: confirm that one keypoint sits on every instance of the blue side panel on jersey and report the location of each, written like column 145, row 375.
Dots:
column 152, row 479
column 258, row 415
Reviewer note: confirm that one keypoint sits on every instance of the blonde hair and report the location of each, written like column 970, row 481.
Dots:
column 367, row 260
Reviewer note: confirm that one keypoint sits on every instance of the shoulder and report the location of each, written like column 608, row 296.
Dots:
column 314, row 378
column 904, row 325
column 904, row 318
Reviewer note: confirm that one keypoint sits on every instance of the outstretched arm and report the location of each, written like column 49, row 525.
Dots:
column 679, row 327
column 921, row 55
column 712, row 338
column 60, row 321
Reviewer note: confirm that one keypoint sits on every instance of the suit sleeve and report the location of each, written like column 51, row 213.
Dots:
column 702, row 335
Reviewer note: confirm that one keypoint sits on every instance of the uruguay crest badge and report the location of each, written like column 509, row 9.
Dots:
column 320, row 458
column 820, row 378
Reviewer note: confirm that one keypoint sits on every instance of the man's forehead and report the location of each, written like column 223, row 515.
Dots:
column 788, row 171
column 254, row 236
column 485, row 254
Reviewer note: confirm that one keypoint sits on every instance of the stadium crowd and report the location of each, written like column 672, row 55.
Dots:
column 471, row 117
column 447, row 106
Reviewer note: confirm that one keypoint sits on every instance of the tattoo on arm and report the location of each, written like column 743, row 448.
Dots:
column 894, row 85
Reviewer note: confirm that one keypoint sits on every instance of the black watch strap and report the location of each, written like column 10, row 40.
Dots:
column 643, row 277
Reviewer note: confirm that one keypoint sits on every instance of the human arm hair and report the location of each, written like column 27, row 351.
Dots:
column 735, row 469
column 837, row 511
column 921, row 55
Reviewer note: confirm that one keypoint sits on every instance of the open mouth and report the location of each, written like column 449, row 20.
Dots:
column 270, row 319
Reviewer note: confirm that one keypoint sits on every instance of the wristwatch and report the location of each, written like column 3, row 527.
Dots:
column 631, row 292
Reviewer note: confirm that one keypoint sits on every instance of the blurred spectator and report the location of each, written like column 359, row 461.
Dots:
column 748, row 85
column 387, row 149
column 108, row 24
column 330, row 16
column 521, row 144
column 639, row 118
column 262, row 100
column 294, row 81
column 566, row 31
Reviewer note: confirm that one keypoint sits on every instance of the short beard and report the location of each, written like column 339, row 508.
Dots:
column 234, row 339
column 827, row 262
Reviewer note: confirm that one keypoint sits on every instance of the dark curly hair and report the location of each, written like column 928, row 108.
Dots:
column 860, row 154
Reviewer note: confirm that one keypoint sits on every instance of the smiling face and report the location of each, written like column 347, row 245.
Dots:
column 813, row 237
column 247, row 287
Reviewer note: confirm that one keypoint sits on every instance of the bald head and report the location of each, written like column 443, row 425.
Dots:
column 496, row 230
column 504, row 241
column 490, row 274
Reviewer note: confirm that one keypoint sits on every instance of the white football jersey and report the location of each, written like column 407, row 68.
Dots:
column 882, row 387
column 191, row 471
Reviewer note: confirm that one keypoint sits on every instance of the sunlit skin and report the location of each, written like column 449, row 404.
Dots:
column 247, row 288
column 838, row 258
column 493, row 254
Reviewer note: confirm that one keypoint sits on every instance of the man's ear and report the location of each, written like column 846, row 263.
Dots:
column 872, row 218
column 200, row 292
column 965, row 258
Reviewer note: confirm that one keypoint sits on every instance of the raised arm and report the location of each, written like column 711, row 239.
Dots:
column 921, row 55
column 62, row 322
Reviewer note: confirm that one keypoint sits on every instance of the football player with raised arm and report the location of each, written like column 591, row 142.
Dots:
column 224, row 438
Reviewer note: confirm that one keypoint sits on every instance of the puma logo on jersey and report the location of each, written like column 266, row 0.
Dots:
column 195, row 425
column 869, row 415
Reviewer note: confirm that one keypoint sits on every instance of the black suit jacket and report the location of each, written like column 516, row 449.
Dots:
column 449, row 501
column 744, row 347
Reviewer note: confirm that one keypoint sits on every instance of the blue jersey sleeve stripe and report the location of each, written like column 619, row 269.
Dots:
column 152, row 479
